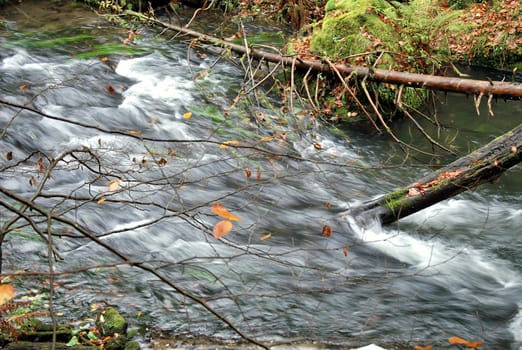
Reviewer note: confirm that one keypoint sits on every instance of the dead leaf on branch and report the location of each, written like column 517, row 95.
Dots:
column 219, row 209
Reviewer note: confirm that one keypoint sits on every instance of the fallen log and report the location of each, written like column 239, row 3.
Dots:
column 467, row 86
column 482, row 166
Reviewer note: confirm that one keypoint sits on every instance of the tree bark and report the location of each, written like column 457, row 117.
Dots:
column 468, row 86
column 482, row 166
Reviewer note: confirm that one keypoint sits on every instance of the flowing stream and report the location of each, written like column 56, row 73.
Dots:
column 454, row 269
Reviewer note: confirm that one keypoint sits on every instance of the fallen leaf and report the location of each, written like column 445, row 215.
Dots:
column 114, row 185
column 222, row 228
column 187, row 115
column 7, row 293
column 345, row 251
column 328, row 205
column 327, row 231
column 265, row 237
column 266, row 138
column 110, row 89
column 423, row 347
column 460, row 341
column 248, row 173
column 135, row 132
column 104, row 59
column 258, row 174
column 226, row 143
column 514, row 149
column 9, row 155
column 218, row 209
column 101, row 200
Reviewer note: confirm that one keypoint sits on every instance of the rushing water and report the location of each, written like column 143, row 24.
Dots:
column 452, row 269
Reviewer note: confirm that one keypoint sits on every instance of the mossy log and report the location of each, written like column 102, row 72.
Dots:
column 468, row 86
column 484, row 165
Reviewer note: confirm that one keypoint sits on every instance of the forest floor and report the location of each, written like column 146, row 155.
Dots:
column 492, row 23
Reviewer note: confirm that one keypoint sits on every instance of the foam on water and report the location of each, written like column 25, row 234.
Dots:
column 152, row 82
column 459, row 267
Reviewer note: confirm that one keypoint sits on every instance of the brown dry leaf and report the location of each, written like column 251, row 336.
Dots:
column 345, row 251
column 9, row 155
column 266, row 138
column 248, row 173
column 135, row 132
column 327, row 231
column 222, row 228
column 41, row 166
column 7, row 293
column 218, row 209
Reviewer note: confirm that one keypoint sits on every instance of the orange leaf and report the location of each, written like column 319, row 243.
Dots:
column 425, row 347
column 110, row 89
column 475, row 344
column 226, row 143
column 104, row 59
column 101, row 200
column 266, row 138
column 7, row 293
column 135, row 132
column 187, row 115
column 218, row 209
column 222, row 228
column 328, row 205
column 327, row 231
column 265, row 237
column 460, row 341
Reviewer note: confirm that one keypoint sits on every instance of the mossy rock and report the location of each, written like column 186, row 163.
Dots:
column 116, row 343
column 340, row 33
column 111, row 322
column 38, row 331
column 132, row 345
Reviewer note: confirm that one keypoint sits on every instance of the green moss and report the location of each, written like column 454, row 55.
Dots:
column 111, row 322
column 395, row 199
column 340, row 33
column 132, row 345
